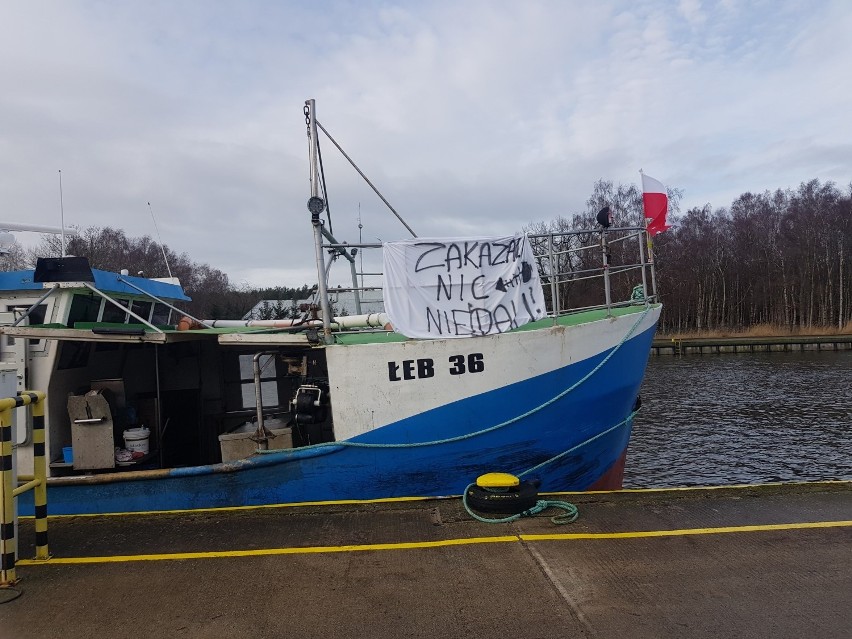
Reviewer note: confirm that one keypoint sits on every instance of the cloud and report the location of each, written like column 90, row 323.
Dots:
column 478, row 117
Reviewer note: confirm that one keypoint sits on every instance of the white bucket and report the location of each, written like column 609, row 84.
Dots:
column 136, row 440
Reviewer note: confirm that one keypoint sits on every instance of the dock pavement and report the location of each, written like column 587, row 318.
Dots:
column 752, row 561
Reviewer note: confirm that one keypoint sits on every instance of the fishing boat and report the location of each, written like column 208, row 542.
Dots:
column 520, row 354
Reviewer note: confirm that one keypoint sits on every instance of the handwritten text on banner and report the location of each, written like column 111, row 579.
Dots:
column 465, row 287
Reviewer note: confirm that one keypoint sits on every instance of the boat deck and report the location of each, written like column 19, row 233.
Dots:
column 248, row 336
column 742, row 561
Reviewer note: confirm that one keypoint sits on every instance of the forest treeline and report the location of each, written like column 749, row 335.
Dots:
column 775, row 258
column 110, row 249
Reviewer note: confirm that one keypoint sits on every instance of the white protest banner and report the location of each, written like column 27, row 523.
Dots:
column 464, row 287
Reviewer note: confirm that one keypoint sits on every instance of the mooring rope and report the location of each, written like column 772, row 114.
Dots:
column 483, row 431
column 570, row 515
column 571, row 511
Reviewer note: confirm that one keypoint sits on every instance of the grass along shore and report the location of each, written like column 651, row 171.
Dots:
column 758, row 330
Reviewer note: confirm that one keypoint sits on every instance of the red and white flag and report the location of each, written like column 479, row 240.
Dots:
column 656, row 202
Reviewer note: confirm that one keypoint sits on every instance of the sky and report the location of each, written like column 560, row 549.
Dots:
column 472, row 117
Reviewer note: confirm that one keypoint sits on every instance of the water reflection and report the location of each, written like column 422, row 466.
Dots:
column 743, row 418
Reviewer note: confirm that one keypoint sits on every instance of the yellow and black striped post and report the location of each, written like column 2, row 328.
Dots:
column 38, row 483
column 7, row 525
column 40, row 472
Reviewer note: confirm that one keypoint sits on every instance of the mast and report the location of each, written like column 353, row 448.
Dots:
column 316, row 205
column 61, row 213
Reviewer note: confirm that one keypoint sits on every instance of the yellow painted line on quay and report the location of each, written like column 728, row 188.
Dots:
column 391, row 500
column 689, row 531
column 418, row 545
column 307, row 550
column 219, row 509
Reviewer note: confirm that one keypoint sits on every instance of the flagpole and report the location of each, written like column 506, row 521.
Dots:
column 651, row 262
column 650, row 245
column 644, row 264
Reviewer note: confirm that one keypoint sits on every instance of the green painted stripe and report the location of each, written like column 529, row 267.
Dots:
column 572, row 319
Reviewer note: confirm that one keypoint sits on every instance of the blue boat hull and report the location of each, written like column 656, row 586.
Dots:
column 532, row 427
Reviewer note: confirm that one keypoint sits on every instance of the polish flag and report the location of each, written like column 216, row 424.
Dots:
column 656, row 202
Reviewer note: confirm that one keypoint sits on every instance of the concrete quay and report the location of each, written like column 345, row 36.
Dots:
column 766, row 561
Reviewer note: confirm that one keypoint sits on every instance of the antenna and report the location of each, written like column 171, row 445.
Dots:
column 61, row 213
column 360, row 226
column 160, row 239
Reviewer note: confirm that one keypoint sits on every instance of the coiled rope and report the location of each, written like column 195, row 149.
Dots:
column 570, row 515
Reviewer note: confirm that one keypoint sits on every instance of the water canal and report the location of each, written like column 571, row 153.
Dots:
column 743, row 418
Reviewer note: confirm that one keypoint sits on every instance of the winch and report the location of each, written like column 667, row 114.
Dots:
column 310, row 405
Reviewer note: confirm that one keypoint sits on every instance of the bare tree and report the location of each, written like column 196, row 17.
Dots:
column 14, row 258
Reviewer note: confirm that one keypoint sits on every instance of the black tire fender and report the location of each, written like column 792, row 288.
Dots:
column 511, row 501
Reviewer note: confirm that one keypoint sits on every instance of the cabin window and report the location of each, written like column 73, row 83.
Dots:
column 84, row 308
column 113, row 314
column 268, row 383
column 73, row 355
column 36, row 317
column 161, row 315
column 141, row 308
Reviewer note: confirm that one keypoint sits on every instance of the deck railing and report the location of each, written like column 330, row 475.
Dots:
column 580, row 270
